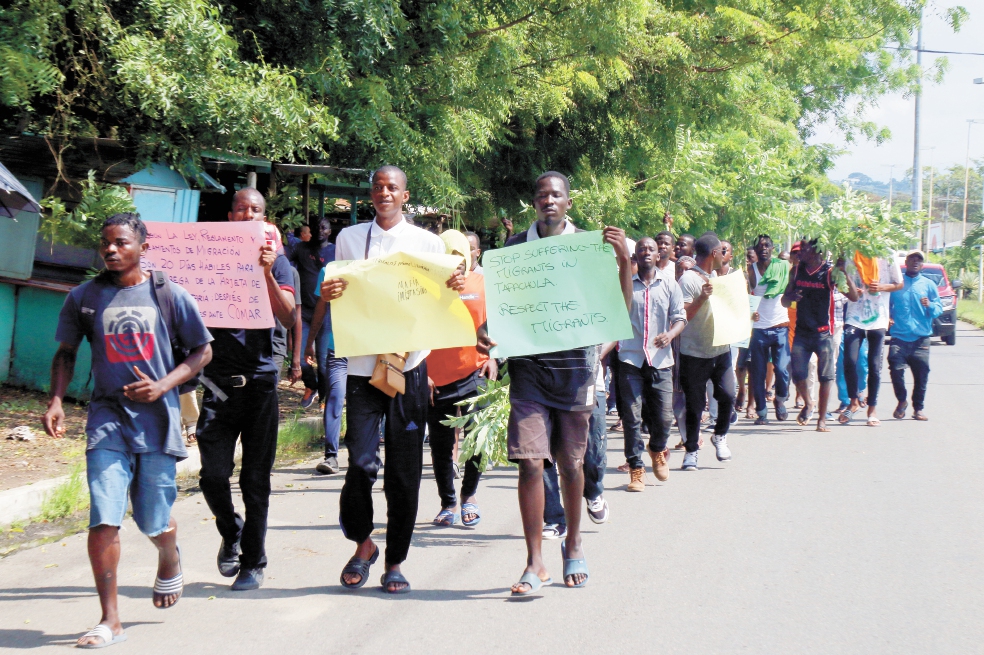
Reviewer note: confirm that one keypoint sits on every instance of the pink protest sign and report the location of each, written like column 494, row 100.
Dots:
column 219, row 265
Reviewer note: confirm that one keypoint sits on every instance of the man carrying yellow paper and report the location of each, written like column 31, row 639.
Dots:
column 406, row 412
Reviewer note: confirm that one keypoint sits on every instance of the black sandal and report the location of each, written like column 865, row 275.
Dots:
column 394, row 577
column 358, row 566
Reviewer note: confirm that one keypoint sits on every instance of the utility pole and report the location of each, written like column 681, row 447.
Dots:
column 946, row 215
column 929, row 219
column 916, row 163
column 970, row 124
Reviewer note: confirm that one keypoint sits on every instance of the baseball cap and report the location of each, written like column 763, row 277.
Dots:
column 921, row 254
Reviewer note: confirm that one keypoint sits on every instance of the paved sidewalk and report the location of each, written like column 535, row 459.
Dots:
column 862, row 540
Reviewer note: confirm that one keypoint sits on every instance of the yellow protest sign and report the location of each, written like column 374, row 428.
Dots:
column 398, row 303
column 729, row 306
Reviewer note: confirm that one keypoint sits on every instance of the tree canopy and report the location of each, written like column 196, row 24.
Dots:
column 696, row 109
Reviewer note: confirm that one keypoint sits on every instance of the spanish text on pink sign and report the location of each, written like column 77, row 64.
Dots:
column 219, row 265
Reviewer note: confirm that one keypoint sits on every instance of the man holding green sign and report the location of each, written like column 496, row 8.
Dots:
column 554, row 286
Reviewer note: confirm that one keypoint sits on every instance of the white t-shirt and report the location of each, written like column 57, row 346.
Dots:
column 870, row 312
column 402, row 237
column 770, row 310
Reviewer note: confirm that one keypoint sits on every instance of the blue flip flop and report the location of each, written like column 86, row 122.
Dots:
column 534, row 581
column 573, row 567
column 359, row 566
column 470, row 508
column 391, row 577
column 446, row 518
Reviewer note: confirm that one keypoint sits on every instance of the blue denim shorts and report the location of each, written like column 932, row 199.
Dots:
column 146, row 478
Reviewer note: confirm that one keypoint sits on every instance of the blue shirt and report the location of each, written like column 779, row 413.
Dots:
column 912, row 320
column 128, row 330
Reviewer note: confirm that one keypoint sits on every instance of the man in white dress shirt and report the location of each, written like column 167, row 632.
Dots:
column 406, row 413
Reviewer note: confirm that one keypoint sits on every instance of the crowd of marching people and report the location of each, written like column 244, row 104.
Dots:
column 818, row 323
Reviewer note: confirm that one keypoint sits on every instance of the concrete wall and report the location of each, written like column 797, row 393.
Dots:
column 35, row 320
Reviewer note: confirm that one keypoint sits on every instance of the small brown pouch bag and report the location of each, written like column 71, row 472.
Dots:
column 387, row 376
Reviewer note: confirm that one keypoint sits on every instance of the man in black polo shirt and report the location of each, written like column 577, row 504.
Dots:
column 244, row 371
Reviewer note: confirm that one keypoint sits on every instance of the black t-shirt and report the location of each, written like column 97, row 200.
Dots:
column 248, row 352
column 564, row 379
column 309, row 259
column 815, row 310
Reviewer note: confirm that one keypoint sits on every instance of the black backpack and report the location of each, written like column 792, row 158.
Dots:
column 165, row 303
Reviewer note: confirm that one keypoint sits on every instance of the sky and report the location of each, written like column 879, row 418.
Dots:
column 946, row 107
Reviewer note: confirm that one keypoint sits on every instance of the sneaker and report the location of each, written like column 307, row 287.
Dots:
column 781, row 412
column 762, row 420
column 554, row 531
column 661, row 465
column 721, row 449
column 329, row 466
column 598, row 510
column 310, row 395
column 689, row 462
column 636, row 482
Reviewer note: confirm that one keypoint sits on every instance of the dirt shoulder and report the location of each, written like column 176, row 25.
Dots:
column 26, row 462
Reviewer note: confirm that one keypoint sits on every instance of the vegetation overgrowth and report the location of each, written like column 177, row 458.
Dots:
column 695, row 113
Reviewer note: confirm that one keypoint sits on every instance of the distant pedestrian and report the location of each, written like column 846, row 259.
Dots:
column 700, row 360
column 913, row 309
column 310, row 259
column 811, row 287
column 133, row 430
column 454, row 375
column 867, row 320
column 768, row 278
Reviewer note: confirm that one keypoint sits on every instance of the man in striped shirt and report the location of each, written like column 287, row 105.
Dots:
column 646, row 364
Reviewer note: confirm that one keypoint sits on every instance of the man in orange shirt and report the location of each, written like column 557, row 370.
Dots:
column 455, row 374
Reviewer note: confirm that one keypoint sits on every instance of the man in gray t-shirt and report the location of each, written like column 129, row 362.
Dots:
column 133, row 430
column 699, row 360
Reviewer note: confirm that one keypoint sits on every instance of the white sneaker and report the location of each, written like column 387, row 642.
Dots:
column 598, row 510
column 689, row 462
column 720, row 442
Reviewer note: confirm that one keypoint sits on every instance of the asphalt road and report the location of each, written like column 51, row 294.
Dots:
column 863, row 540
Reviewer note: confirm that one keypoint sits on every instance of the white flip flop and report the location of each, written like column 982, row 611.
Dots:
column 170, row 586
column 105, row 633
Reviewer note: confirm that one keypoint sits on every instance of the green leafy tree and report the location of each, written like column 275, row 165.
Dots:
column 82, row 225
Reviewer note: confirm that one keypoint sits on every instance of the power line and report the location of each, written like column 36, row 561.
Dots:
column 935, row 52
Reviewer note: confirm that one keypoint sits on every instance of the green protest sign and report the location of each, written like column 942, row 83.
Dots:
column 554, row 294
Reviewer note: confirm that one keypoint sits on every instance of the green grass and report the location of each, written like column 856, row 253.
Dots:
column 296, row 439
column 67, row 498
column 971, row 311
